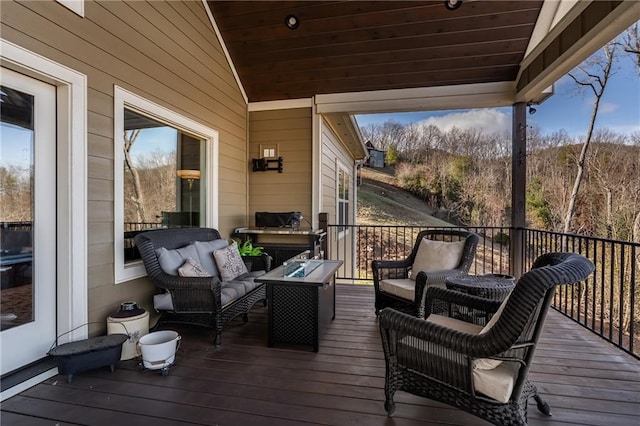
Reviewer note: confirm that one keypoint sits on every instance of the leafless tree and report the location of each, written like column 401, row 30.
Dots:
column 130, row 137
column 631, row 43
column 372, row 133
column 592, row 75
column 15, row 194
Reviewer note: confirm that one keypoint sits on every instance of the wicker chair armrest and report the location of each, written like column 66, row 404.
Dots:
column 437, row 277
column 192, row 294
column 391, row 264
column 427, row 279
column 436, row 296
column 390, row 269
column 396, row 325
column 173, row 282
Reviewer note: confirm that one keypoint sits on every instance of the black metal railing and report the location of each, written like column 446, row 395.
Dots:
column 606, row 303
column 131, row 229
column 16, row 226
column 358, row 245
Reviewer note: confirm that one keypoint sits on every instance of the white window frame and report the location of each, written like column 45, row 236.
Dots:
column 340, row 166
column 126, row 99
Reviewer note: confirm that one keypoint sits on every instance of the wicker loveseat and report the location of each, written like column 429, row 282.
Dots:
column 210, row 301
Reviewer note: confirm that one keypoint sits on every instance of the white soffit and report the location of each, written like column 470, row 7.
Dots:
column 554, row 17
column 348, row 132
column 226, row 52
column 482, row 95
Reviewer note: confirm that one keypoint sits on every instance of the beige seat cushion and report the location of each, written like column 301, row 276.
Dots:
column 496, row 383
column 401, row 287
column 437, row 256
column 455, row 324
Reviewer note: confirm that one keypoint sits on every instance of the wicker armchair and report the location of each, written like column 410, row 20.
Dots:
column 445, row 359
column 388, row 274
column 198, row 300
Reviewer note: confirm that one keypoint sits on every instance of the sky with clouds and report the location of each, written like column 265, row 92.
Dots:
column 567, row 109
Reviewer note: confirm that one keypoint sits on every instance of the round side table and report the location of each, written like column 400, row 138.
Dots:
column 490, row 286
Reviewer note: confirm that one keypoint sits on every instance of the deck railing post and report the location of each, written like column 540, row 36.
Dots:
column 518, row 189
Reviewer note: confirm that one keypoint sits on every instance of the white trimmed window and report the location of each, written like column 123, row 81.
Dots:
column 165, row 175
column 343, row 200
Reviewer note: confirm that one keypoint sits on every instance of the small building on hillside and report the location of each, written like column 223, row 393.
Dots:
column 376, row 156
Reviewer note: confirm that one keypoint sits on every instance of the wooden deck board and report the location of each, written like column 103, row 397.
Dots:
column 585, row 380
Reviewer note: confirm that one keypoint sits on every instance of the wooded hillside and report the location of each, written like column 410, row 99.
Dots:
column 468, row 175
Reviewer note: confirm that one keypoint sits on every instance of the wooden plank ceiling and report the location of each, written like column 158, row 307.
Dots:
column 354, row 46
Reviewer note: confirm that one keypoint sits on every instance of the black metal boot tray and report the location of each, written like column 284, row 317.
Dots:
column 88, row 354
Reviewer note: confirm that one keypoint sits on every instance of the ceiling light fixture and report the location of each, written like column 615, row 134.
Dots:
column 292, row 22
column 452, row 4
column 532, row 110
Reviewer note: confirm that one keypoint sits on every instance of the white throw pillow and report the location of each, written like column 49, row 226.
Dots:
column 192, row 268
column 229, row 262
column 495, row 316
column 437, row 256
column 486, row 363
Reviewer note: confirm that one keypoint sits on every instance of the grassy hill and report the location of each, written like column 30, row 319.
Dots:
column 382, row 202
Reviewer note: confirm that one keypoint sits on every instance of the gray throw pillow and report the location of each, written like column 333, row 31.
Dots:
column 191, row 268
column 205, row 251
column 171, row 260
column 229, row 262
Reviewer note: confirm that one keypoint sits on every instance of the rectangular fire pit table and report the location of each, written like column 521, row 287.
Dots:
column 300, row 307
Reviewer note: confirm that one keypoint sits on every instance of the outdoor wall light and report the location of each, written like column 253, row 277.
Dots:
column 452, row 4
column 532, row 110
column 292, row 22
column 262, row 164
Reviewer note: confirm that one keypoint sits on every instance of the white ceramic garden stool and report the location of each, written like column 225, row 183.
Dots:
column 133, row 322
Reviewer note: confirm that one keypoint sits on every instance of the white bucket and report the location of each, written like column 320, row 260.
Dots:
column 159, row 349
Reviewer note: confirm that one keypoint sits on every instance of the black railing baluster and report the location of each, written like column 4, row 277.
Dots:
column 603, row 272
column 594, row 289
column 632, row 299
column 621, row 298
column 611, row 278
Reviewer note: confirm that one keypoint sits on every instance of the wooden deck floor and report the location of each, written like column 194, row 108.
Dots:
column 585, row 380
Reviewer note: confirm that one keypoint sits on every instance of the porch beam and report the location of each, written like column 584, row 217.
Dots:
column 483, row 95
column 570, row 43
column 518, row 187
